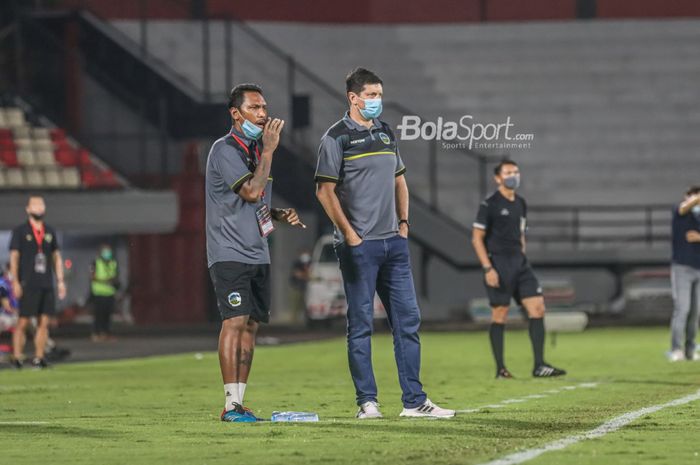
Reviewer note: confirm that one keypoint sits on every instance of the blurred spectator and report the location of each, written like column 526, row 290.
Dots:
column 685, row 277
column 8, row 311
column 34, row 260
column 103, row 289
column 298, row 280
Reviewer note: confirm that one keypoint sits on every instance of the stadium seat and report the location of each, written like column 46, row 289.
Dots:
column 70, row 177
column 66, row 156
column 34, row 177
column 41, row 133
column 14, row 117
column 52, row 178
column 42, row 144
column 57, row 134
column 22, row 132
column 7, row 144
column 84, row 158
column 23, row 143
column 8, row 158
column 15, row 178
column 25, row 157
column 44, row 158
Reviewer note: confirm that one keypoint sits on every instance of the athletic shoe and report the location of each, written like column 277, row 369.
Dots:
column 427, row 410
column 694, row 357
column 39, row 363
column 237, row 415
column 676, row 356
column 250, row 413
column 547, row 371
column 369, row 409
column 16, row 363
column 503, row 373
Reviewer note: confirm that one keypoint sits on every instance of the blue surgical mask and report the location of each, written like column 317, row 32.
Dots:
column 512, row 182
column 373, row 108
column 696, row 211
column 250, row 130
column 106, row 254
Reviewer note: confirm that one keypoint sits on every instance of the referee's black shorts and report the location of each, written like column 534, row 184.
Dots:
column 242, row 289
column 516, row 277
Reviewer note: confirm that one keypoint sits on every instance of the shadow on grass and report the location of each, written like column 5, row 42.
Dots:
column 482, row 427
column 656, row 382
column 56, row 430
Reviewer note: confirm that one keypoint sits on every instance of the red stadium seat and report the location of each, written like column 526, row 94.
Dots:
column 7, row 144
column 66, row 157
column 9, row 158
column 57, row 134
column 84, row 158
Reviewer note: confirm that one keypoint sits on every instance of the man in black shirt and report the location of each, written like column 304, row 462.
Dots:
column 499, row 241
column 34, row 258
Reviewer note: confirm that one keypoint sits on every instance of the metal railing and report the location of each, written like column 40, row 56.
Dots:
column 584, row 225
column 229, row 48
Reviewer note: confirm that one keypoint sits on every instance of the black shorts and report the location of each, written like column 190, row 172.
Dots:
column 36, row 302
column 242, row 289
column 516, row 278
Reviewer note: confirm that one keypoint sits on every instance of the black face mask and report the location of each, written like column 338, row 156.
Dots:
column 37, row 217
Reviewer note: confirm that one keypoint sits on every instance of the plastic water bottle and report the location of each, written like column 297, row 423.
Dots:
column 294, row 416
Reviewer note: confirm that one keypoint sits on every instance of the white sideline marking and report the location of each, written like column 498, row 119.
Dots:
column 607, row 427
column 21, row 423
column 519, row 400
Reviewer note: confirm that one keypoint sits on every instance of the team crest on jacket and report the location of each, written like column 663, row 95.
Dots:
column 505, row 212
column 234, row 299
column 384, row 138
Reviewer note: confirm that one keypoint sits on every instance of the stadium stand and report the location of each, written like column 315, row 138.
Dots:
column 33, row 156
column 603, row 99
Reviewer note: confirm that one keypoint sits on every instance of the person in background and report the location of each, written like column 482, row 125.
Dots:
column 8, row 311
column 104, row 284
column 35, row 260
column 498, row 238
column 298, row 279
column 685, row 276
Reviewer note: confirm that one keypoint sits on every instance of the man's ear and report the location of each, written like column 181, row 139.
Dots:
column 235, row 114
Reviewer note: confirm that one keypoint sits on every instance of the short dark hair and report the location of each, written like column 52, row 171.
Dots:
column 504, row 162
column 357, row 78
column 692, row 190
column 235, row 100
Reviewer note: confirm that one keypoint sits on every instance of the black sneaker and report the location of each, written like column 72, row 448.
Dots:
column 16, row 363
column 503, row 373
column 39, row 363
column 547, row 371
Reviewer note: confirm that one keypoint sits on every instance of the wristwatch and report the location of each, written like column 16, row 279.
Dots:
column 404, row 221
column 487, row 269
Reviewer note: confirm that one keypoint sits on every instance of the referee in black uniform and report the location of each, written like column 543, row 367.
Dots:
column 499, row 241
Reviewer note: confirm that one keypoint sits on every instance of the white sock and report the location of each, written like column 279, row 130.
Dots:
column 241, row 391
column 232, row 395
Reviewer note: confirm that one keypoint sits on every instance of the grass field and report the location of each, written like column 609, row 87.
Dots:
column 165, row 409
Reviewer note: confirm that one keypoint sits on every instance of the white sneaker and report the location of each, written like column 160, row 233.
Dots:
column 676, row 356
column 696, row 357
column 427, row 410
column 369, row 409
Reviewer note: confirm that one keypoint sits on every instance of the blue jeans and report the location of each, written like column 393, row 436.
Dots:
column 383, row 265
